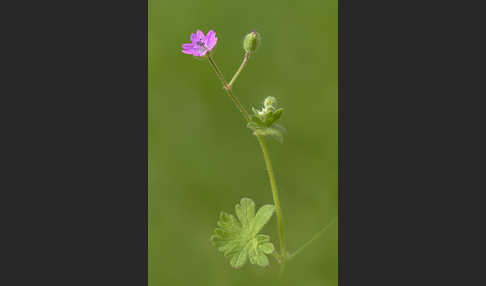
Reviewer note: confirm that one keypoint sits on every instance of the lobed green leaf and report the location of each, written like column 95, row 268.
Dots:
column 239, row 239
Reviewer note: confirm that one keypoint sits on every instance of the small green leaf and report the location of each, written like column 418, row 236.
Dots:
column 268, row 120
column 256, row 120
column 252, row 125
column 240, row 239
column 274, row 132
column 277, row 113
column 272, row 117
column 254, row 110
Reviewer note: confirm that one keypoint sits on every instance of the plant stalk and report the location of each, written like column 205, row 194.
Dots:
column 243, row 64
column 228, row 89
column 273, row 184
column 316, row 236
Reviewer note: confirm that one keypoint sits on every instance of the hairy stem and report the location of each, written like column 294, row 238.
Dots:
column 316, row 236
column 228, row 89
column 243, row 64
column 273, row 183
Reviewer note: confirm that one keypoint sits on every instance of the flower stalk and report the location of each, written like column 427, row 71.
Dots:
column 273, row 184
column 228, row 89
column 243, row 64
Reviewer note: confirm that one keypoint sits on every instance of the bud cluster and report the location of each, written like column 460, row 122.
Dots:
column 263, row 121
column 268, row 108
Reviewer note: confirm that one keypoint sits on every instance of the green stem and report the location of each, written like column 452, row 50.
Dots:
column 283, row 251
column 316, row 236
column 228, row 89
column 273, row 184
column 243, row 64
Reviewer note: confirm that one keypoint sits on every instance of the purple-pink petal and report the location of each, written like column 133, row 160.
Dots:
column 189, row 52
column 212, row 42
column 211, row 39
column 193, row 38
column 210, row 34
column 200, row 35
column 187, row 46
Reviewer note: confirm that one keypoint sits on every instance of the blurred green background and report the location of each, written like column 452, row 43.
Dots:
column 203, row 159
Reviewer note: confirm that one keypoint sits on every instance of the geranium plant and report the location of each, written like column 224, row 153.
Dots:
column 239, row 237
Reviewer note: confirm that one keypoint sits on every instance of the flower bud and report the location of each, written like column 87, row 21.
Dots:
column 269, row 102
column 251, row 42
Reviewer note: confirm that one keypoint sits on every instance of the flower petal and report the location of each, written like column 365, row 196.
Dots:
column 187, row 46
column 211, row 39
column 193, row 38
column 189, row 52
column 200, row 35
column 212, row 42
column 209, row 35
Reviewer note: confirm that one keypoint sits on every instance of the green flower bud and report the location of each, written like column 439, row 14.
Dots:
column 269, row 102
column 251, row 42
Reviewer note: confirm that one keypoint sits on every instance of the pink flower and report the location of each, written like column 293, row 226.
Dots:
column 200, row 44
